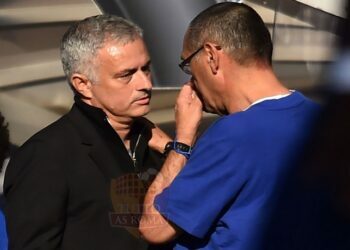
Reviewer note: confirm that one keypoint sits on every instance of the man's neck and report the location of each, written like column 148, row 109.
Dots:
column 250, row 86
column 122, row 127
column 120, row 124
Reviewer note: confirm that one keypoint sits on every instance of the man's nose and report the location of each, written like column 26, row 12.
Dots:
column 144, row 81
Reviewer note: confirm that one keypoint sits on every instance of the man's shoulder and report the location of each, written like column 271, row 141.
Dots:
column 62, row 131
column 228, row 128
column 49, row 145
column 228, row 124
column 56, row 129
column 246, row 123
column 312, row 106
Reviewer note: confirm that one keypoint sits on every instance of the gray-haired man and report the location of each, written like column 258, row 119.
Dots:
column 75, row 184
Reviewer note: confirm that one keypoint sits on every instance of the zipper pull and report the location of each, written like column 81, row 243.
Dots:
column 134, row 160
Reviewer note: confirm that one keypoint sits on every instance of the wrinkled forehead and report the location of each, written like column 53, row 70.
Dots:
column 122, row 54
column 110, row 48
column 116, row 47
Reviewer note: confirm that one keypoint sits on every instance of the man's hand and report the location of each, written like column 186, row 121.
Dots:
column 188, row 113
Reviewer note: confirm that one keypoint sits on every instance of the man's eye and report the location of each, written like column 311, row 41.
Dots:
column 126, row 75
column 146, row 69
column 125, row 78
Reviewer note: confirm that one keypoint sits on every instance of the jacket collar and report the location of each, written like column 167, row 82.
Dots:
column 105, row 146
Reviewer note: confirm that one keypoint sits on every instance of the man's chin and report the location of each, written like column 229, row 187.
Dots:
column 141, row 112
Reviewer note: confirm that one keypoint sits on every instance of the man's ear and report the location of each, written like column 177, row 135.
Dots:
column 81, row 84
column 213, row 56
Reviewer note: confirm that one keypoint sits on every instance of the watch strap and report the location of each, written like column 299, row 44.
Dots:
column 178, row 147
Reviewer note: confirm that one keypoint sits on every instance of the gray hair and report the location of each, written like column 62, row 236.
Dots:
column 237, row 28
column 83, row 39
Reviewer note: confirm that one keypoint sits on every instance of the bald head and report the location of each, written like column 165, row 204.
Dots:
column 236, row 28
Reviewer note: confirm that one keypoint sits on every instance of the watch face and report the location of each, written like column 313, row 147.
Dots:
column 179, row 147
column 182, row 147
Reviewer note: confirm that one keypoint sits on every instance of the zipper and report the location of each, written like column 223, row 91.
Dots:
column 133, row 154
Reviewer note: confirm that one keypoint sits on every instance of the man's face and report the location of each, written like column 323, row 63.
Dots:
column 200, row 77
column 123, row 87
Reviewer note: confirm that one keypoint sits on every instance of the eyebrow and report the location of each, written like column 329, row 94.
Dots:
column 131, row 70
column 147, row 64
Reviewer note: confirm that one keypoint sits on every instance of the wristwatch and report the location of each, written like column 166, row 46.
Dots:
column 178, row 147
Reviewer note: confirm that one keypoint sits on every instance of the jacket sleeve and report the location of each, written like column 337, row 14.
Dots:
column 36, row 192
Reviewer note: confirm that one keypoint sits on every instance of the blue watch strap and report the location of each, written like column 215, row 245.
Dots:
column 178, row 147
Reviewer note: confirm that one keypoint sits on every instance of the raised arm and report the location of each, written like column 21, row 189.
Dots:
column 188, row 112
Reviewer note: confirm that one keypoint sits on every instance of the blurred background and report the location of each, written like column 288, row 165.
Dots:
column 34, row 91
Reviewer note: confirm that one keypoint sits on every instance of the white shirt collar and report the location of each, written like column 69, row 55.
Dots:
column 274, row 97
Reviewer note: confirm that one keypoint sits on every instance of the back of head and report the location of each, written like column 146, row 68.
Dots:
column 83, row 39
column 237, row 28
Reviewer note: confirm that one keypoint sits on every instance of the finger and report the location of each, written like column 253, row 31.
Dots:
column 185, row 92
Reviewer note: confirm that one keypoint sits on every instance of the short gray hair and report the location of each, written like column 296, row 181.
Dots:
column 83, row 39
column 237, row 28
